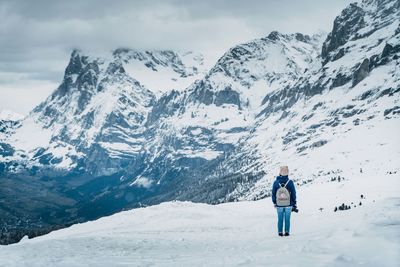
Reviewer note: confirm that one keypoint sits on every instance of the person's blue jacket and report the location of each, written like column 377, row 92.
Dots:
column 290, row 187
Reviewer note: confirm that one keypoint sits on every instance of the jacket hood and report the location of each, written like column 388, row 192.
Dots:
column 282, row 178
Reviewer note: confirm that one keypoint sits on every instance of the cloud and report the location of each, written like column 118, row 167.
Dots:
column 36, row 37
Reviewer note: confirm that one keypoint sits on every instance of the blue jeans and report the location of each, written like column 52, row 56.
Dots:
column 284, row 215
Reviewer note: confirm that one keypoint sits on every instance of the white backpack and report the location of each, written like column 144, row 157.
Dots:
column 283, row 195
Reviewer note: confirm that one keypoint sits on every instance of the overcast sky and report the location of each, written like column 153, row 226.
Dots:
column 36, row 37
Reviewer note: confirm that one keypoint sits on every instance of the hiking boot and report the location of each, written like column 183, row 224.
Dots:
column 286, row 234
column 280, row 234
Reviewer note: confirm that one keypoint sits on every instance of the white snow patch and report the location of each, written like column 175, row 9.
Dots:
column 197, row 131
column 206, row 154
column 31, row 136
column 117, row 147
column 142, row 182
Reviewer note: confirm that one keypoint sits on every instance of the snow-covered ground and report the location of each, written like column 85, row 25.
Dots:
column 236, row 234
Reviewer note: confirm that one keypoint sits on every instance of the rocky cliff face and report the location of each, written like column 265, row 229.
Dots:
column 138, row 128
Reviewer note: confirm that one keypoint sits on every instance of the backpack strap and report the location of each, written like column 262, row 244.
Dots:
column 287, row 182
column 284, row 185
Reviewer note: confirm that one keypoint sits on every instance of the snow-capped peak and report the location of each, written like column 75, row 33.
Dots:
column 253, row 69
column 161, row 71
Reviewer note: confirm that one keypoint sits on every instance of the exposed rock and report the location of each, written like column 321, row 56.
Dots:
column 319, row 143
column 344, row 26
column 361, row 72
column 393, row 111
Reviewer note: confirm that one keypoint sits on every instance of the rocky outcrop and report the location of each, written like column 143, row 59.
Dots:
column 361, row 72
column 344, row 27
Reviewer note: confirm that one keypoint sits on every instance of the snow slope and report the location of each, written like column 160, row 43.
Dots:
column 163, row 71
column 235, row 234
column 353, row 86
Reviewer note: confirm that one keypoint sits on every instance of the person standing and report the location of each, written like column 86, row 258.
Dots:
column 284, row 199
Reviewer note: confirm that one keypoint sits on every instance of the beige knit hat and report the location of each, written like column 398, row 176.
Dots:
column 284, row 171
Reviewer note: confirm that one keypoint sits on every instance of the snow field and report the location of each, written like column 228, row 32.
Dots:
column 235, row 234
